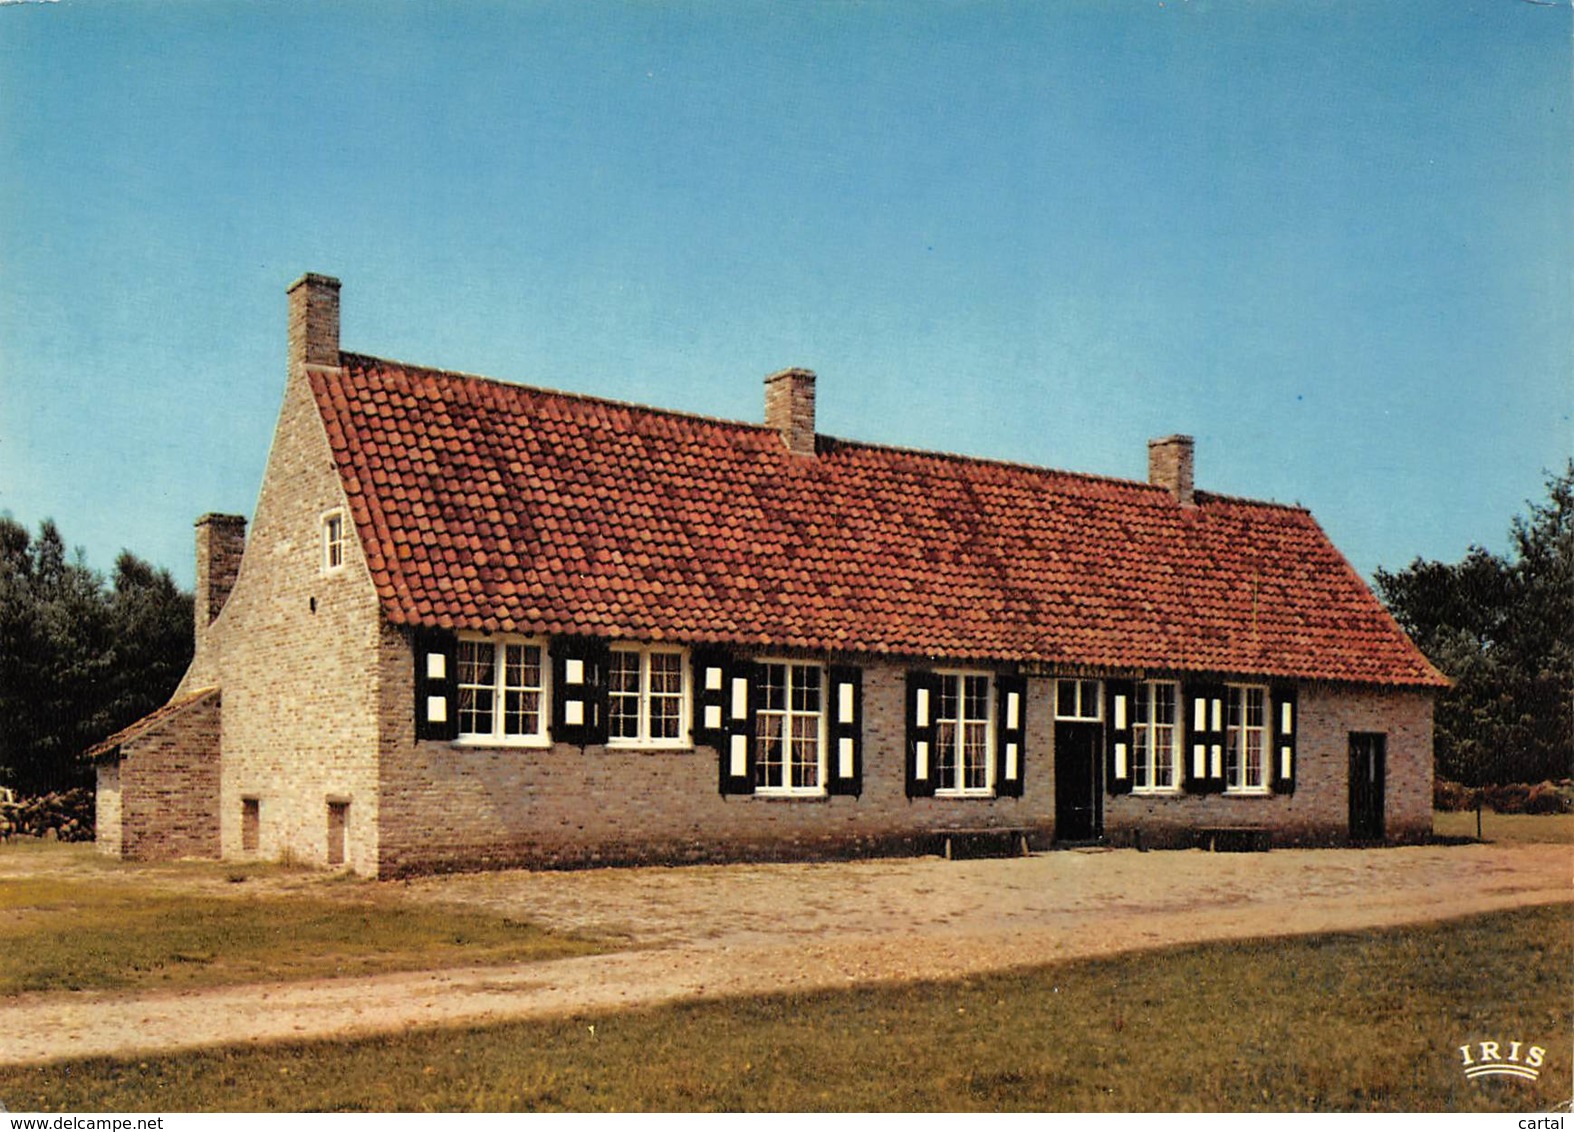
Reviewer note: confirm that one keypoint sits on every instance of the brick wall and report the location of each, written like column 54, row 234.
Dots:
column 445, row 806
column 295, row 645
column 162, row 799
column 106, row 810
column 1329, row 714
column 298, row 662
column 1318, row 811
column 451, row 807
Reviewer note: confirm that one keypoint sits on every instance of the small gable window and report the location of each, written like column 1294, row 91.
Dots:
column 1246, row 740
column 1155, row 738
column 647, row 700
column 502, row 691
column 789, row 738
column 332, row 541
column 963, row 729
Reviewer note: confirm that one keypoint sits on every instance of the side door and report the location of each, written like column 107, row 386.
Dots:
column 1368, row 758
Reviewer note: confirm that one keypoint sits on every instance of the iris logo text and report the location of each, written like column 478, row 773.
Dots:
column 1502, row 1059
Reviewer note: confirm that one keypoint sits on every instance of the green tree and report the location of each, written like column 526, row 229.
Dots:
column 78, row 660
column 1502, row 628
column 150, row 620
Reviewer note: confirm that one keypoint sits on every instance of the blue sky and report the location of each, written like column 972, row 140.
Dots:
column 1334, row 241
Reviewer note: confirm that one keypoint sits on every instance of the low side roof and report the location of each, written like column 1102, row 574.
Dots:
column 488, row 506
column 150, row 722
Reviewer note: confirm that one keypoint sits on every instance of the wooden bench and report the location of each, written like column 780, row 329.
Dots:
column 1013, row 839
column 1235, row 839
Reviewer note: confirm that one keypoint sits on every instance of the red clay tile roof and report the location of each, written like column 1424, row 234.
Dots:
column 150, row 722
column 488, row 506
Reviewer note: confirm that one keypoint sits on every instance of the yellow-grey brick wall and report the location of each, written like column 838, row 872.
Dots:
column 164, row 791
column 106, row 809
column 449, row 806
column 1318, row 811
column 297, row 659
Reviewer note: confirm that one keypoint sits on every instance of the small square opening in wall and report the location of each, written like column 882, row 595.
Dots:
column 250, row 824
column 338, row 824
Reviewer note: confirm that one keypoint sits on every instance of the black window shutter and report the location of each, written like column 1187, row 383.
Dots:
column 923, row 700
column 1196, row 737
column 1120, row 709
column 436, row 684
column 735, row 754
column 1286, row 720
column 709, row 681
column 1205, row 752
column 579, row 690
column 1010, row 729
column 844, row 761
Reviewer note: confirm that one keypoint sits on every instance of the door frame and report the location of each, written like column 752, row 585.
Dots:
column 1368, row 785
column 1068, row 735
column 338, row 831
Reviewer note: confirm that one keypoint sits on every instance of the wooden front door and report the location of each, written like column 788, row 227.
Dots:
column 1079, row 787
column 1367, row 758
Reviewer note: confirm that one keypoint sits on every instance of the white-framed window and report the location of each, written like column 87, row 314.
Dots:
column 333, row 541
column 1155, row 738
column 964, row 734
column 1246, row 739
column 502, row 691
column 789, row 751
column 647, row 697
column 1079, row 700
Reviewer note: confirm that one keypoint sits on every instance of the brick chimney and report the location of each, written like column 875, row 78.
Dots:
column 221, row 540
column 314, row 321
column 789, row 408
column 1170, row 466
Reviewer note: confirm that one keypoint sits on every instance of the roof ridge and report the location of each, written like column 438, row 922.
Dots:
column 1023, row 466
column 550, row 391
column 531, row 524
column 758, row 426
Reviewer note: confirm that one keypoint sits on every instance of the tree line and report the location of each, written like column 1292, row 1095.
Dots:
column 1502, row 628
column 80, row 656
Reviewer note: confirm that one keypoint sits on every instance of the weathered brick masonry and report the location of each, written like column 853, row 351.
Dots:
column 452, row 807
column 159, row 798
column 445, row 806
column 1318, row 812
column 299, row 648
column 295, row 648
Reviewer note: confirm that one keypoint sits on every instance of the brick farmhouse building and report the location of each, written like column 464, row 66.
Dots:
column 476, row 624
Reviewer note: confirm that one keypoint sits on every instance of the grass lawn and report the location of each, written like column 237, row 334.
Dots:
column 1505, row 827
column 1336, row 1022
column 99, row 928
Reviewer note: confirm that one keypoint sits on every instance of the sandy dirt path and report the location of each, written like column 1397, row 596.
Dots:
column 746, row 929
